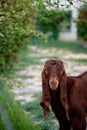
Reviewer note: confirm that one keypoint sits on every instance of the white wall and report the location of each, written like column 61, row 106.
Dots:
column 72, row 34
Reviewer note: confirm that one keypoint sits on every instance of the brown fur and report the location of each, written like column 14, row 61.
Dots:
column 67, row 96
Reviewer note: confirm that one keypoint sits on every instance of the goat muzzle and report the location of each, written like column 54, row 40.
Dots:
column 53, row 84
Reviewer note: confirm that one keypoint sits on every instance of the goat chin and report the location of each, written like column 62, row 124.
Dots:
column 53, row 88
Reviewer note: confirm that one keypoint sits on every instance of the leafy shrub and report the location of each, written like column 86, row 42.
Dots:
column 16, row 29
column 82, row 23
column 52, row 20
column 49, row 21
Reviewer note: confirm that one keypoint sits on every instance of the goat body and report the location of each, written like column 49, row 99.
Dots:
column 67, row 96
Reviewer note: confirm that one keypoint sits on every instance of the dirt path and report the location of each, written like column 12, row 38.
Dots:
column 32, row 84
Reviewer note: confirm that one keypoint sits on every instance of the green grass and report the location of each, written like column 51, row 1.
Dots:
column 75, row 47
column 37, row 115
column 24, row 77
column 80, row 60
column 2, row 125
column 29, row 57
column 18, row 119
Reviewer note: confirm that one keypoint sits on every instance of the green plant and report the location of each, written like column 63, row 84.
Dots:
column 50, row 21
column 82, row 23
column 13, row 114
column 17, row 20
column 2, row 125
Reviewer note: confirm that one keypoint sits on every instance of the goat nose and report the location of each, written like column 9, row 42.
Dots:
column 53, row 83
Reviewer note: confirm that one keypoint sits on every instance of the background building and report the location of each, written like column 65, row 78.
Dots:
column 70, row 34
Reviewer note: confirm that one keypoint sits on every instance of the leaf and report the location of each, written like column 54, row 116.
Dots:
column 1, row 35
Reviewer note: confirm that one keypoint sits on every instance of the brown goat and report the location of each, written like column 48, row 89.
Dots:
column 67, row 96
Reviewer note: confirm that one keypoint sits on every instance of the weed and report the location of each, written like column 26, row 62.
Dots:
column 16, row 116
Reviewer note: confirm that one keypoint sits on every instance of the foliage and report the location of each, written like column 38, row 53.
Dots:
column 52, row 20
column 48, row 22
column 2, row 126
column 82, row 23
column 16, row 29
column 16, row 116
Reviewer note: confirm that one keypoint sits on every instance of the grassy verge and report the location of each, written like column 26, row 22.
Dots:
column 75, row 47
column 61, row 48
column 36, row 113
column 2, row 125
column 12, row 114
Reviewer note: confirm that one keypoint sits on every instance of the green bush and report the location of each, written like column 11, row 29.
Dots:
column 52, row 20
column 16, row 29
column 82, row 23
column 49, row 21
column 12, row 116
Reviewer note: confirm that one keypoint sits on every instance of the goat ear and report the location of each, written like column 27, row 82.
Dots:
column 45, row 101
column 63, row 94
column 46, row 108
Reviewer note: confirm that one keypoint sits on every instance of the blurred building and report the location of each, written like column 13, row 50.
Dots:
column 70, row 31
